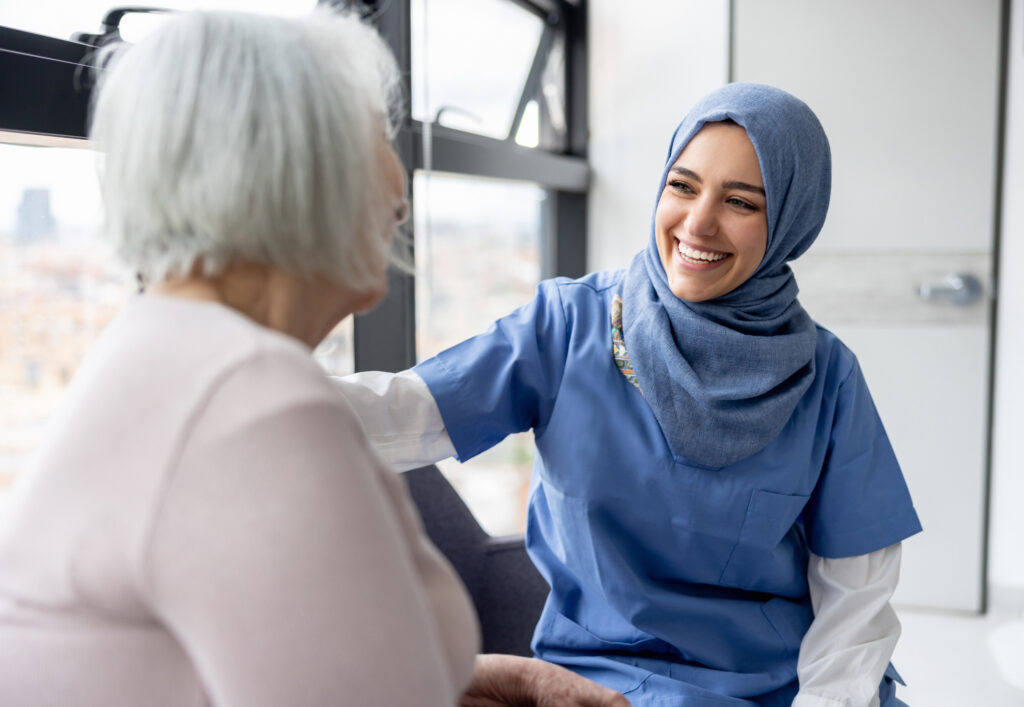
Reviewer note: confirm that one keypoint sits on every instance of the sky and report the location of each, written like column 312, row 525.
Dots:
column 68, row 173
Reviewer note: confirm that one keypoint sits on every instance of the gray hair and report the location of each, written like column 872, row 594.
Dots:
column 230, row 136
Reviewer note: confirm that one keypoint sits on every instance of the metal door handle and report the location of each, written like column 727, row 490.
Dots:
column 961, row 289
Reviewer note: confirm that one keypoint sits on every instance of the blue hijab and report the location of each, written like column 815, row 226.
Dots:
column 723, row 376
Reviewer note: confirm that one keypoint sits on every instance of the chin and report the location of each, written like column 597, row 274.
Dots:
column 369, row 300
column 687, row 294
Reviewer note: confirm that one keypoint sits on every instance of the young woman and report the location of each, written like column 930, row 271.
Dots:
column 715, row 503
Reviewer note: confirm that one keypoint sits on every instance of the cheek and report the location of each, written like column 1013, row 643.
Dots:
column 397, row 176
column 754, row 242
column 762, row 245
column 666, row 216
column 398, row 180
column 663, row 212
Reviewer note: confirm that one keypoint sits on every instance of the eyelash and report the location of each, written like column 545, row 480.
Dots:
column 687, row 189
column 743, row 204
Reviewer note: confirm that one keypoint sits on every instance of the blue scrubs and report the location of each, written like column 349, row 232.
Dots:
column 672, row 583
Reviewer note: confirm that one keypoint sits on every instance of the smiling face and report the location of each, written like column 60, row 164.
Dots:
column 711, row 225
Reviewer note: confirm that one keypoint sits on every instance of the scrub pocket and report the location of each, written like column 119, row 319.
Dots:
column 760, row 553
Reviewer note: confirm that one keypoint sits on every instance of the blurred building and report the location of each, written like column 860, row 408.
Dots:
column 35, row 220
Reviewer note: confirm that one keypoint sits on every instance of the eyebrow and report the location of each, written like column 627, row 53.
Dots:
column 743, row 186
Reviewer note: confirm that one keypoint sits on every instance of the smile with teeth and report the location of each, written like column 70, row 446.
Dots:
column 699, row 256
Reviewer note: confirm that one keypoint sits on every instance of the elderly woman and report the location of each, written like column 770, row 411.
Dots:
column 205, row 522
column 715, row 503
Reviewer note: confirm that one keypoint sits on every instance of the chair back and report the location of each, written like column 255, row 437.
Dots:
column 506, row 588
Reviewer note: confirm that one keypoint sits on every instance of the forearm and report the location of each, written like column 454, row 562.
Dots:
column 848, row 646
column 399, row 416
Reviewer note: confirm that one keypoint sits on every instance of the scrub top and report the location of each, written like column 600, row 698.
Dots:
column 672, row 583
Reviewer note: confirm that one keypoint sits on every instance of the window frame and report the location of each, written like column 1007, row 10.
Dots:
column 47, row 84
column 385, row 339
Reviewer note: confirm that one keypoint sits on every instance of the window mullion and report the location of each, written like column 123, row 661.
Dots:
column 531, row 87
column 465, row 153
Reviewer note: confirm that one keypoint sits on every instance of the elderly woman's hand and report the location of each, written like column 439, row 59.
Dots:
column 508, row 680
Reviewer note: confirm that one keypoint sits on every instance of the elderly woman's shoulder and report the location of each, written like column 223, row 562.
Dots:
column 279, row 370
column 218, row 357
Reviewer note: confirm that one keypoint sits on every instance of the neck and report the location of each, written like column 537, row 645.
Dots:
column 306, row 309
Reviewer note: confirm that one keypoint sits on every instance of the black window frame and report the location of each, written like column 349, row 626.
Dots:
column 45, row 85
column 385, row 338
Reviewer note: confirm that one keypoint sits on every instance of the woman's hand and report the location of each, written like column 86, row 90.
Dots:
column 514, row 681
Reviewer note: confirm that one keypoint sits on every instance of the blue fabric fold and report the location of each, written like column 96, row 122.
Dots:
column 723, row 376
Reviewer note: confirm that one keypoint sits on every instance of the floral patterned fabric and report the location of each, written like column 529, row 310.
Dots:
column 619, row 352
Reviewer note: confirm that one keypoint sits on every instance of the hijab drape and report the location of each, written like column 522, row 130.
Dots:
column 724, row 376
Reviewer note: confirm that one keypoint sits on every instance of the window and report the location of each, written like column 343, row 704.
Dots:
column 478, row 257
column 478, row 254
column 497, row 93
column 59, row 284
column 496, row 142
column 471, row 62
column 59, row 287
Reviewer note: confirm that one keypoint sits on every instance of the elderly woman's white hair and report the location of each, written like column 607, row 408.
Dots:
column 233, row 137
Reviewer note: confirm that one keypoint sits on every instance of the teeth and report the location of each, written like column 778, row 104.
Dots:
column 693, row 254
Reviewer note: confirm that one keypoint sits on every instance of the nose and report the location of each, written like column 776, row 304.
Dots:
column 394, row 179
column 402, row 211
column 702, row 218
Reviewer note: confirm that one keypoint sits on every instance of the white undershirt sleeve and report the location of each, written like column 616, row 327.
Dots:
column 399, row 416
column 848, row 646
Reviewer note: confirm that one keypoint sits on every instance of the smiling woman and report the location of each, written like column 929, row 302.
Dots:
column 714, row 503
column 711, row 223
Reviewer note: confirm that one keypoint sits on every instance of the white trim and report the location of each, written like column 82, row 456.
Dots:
column 15, row 137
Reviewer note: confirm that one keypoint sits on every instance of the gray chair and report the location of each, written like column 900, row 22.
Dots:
column 505, row 586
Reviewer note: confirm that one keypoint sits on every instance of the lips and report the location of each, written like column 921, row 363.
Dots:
column 699, row 257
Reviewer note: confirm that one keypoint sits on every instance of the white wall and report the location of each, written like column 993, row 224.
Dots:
column 1006, row 529
column 648, row 66
column 649, row 62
